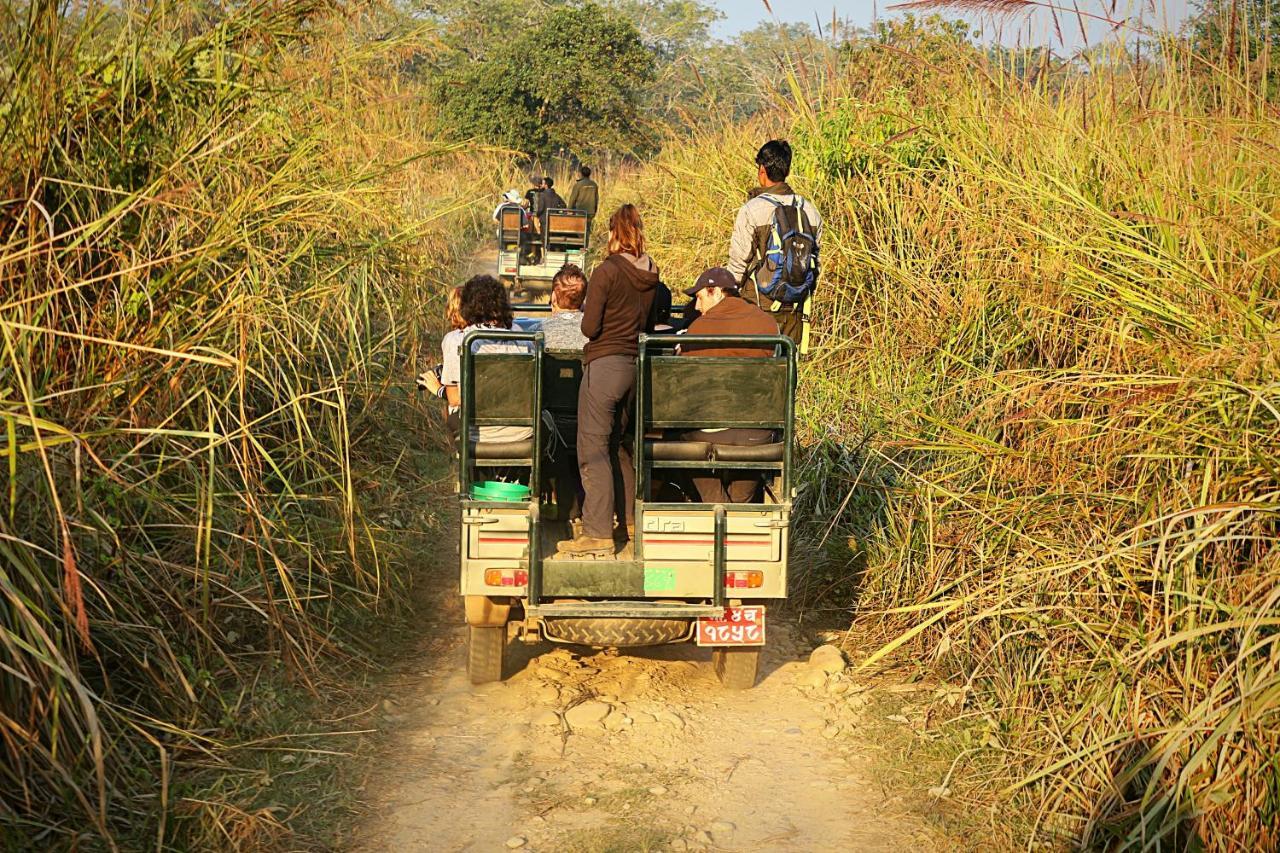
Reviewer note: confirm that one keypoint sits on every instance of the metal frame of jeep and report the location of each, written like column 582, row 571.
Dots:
column 690, row 560
column 563, row 241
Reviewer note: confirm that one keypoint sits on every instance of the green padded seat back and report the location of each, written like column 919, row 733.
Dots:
column 713, row 392
column 561, row 378
column 504, row 389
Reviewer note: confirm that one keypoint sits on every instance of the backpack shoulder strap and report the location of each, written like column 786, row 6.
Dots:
column 807, row 226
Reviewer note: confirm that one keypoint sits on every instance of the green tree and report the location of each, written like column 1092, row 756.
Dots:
column 1236, row 33
column 574, row 80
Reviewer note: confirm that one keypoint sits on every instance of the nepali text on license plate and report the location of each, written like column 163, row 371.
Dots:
column 739, row 626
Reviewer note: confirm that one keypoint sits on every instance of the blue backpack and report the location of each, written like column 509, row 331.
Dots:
column 791, row 257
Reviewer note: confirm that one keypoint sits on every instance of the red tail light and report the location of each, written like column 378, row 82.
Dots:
column 506, row 577
column 743, row 580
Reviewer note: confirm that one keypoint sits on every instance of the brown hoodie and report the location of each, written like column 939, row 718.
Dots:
column 617, row 307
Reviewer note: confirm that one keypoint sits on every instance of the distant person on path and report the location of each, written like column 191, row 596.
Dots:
column 723, row 311
column 535, row 204
column 585, row 195
column 551, row 200
column 774, row 248
column 617, row 309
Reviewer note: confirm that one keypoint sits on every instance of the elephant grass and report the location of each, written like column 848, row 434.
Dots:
column 1042, row 412
column 221, row 237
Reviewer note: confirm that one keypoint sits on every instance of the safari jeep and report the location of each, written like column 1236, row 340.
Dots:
column 696, row 572
column 563, row 241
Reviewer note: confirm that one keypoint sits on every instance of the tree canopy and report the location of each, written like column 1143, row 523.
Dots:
column 575, row 79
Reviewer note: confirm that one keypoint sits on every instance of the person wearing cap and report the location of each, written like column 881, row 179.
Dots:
column 509, row 198
column 723, row 311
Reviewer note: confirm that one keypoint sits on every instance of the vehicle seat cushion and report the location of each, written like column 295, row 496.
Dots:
column 502, row 449
column 677, row 451
column 772, row 452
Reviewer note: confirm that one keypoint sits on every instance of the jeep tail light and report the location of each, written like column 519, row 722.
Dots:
column 743, row 580
column 506, row 577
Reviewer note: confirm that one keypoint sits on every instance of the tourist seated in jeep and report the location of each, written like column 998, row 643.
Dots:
column 484, row 305
column 722, row 311
column 562, row 331
column 452, row 338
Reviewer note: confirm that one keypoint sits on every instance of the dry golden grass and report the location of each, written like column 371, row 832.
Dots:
column 1049, row 308
column 219, row 238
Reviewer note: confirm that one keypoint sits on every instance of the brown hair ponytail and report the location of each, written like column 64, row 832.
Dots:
column 626, row 231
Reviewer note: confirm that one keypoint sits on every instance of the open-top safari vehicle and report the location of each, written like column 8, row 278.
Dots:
column 695, row 572
column 531, row 250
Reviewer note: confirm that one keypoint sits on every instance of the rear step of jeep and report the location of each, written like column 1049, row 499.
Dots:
column 622, row 610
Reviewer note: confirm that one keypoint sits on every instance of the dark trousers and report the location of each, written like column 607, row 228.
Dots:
column 604, row 453
column 564, row 471
column 452, row 424
column 738, row 487
column 790, row 323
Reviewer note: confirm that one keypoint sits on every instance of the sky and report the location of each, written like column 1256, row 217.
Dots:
column 1036, row 28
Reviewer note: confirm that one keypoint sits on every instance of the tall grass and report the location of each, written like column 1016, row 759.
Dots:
column 1050, row 302
column 217, row 234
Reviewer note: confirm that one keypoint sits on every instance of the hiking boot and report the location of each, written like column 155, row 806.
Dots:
column 584, row 544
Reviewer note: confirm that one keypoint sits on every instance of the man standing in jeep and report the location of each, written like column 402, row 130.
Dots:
column 773, row 252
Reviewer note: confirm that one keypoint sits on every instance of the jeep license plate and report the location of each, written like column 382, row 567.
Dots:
column 739, row 626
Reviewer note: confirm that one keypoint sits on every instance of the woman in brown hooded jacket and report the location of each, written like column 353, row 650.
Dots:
column 617, row 309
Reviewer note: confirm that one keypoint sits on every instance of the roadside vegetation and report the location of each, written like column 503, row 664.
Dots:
column 221, row 237
column 1040, row 419
column 1043, row 409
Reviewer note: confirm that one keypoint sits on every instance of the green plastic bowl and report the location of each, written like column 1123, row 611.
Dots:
column 491, row 490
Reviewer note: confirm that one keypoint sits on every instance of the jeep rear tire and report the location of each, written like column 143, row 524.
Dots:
column 621, row 633
column 486, row 652
column 736, row 666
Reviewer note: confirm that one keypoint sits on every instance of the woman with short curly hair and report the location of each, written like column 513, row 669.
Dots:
column 485, row 303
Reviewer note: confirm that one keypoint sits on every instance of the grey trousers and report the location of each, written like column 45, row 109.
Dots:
column 605, row 401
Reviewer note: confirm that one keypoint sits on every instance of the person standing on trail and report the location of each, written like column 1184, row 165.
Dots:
column 723, row 311
column 773, row 253
column 617, row 309
column 585, row 195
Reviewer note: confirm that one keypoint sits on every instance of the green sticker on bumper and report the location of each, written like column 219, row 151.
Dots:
column 659, row 580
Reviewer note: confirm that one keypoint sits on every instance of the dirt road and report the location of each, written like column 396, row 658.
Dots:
column 590, row 750
column 593, row 750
